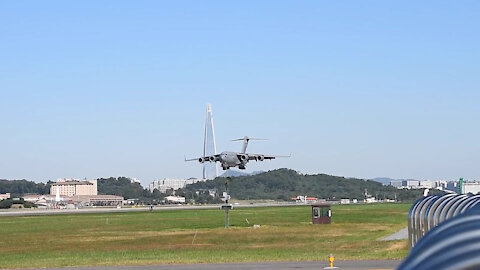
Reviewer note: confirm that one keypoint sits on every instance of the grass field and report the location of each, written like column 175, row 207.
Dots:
column 198, row 236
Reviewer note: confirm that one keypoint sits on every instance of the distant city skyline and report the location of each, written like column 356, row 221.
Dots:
column 357, row 89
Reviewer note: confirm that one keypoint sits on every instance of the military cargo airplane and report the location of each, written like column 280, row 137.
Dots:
column 233, row 159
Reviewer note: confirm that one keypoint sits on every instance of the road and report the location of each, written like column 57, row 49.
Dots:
column 348, row 265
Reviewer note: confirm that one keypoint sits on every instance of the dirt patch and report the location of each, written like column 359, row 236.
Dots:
column 397, row 246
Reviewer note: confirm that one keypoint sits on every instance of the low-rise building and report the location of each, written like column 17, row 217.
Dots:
column 44, row 201
column 426, row 184
column 35, row 197
column 97, row 200
column 345, row 201
column 411, row 184
column 471, row 187
column 175, row 199
column 441, row 184
column 134, row 180
column 4, row 196
column 131, row 201
column 168, row 183
column 453, row 186
column 396, row 183
column 304, row 199
column 51, row 201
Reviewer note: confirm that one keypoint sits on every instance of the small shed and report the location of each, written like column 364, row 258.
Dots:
column 321, row 213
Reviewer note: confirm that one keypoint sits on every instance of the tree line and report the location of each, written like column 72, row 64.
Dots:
column 18, row 188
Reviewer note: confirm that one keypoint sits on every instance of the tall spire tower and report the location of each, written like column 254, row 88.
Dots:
column 210, row 170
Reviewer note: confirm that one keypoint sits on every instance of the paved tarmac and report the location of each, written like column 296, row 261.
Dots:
column 39, row 212
column 348, row 265
column 400, row 235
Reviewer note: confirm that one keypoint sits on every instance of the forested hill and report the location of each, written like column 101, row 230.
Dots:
column 283, row 184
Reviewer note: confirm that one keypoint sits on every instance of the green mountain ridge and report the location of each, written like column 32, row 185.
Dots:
column 283, row 184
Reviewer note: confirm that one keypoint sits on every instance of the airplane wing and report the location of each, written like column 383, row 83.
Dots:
column 261, row 157
column 205, row 158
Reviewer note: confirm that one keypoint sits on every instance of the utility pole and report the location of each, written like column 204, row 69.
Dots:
column 227, row 207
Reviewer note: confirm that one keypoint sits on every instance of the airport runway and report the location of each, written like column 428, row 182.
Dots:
column 348, row 265
column 39, row 212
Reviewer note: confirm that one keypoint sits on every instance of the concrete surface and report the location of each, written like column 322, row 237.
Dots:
column 400, row 235
column 348, row 265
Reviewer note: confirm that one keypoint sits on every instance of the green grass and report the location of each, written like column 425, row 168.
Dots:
column 165, row 237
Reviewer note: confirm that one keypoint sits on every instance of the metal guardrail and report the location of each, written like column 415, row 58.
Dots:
column 428, row 212
column 454, row 244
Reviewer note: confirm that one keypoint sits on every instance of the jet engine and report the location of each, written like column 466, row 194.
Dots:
column 261, row 157
column 201, row 160
column 244, row 157
column 212, row 159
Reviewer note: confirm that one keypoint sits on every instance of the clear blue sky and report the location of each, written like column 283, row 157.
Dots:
column 353, row 88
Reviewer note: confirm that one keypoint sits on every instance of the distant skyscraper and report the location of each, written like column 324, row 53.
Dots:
column 210, row 169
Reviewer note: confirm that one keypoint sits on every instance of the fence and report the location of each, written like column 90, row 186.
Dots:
column 454, row 244
column 428, row 212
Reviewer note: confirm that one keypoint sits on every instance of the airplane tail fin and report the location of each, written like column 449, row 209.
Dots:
column 245, row 142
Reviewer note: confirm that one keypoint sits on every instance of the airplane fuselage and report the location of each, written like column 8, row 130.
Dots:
column 231, row 159
column 228, row 159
